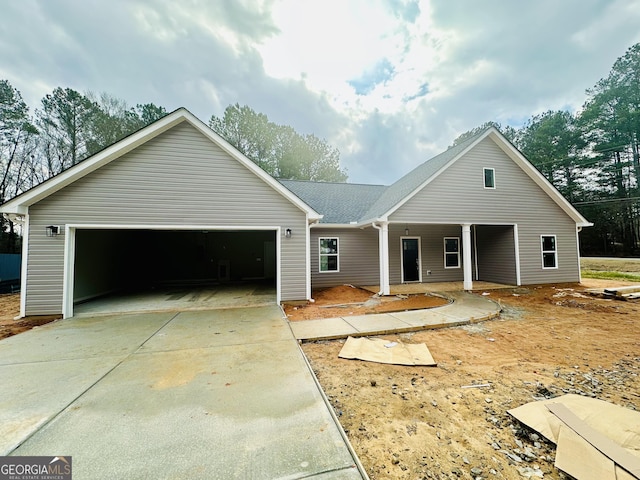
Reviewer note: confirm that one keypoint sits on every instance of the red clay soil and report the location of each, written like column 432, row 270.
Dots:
column 346, row 300
column 409, row 423
column 10, row 308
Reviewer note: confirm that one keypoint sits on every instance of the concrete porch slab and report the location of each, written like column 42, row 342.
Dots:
column 465, row 308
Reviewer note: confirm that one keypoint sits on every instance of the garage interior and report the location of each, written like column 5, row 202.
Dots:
column 132, row 270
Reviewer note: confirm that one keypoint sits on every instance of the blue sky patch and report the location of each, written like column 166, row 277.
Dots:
column 380, row 73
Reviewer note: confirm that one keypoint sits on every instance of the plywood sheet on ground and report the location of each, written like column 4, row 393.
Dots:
column 383, row 351
column 576, row 454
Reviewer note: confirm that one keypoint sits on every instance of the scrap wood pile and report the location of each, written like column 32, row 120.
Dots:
column 623, row 293
column 626, row 292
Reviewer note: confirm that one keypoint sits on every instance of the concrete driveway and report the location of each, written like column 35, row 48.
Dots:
column 203, row 394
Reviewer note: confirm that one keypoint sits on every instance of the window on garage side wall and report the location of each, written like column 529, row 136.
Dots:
column 329, row 254
column 549, row 251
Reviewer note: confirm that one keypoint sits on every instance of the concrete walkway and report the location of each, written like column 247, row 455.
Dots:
column 465, row 308
column 202, row 394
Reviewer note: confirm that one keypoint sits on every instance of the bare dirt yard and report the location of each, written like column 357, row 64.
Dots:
column 10, row 308
column 420, row 423
column 347, row 300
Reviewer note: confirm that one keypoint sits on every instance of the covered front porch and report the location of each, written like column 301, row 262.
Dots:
column 446, row 257
column 436, row 287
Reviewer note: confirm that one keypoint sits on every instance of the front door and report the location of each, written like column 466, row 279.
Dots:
column 410, row 259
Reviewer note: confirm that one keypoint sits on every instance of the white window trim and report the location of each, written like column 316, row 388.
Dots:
column 444, row 248
column 320, row 254
column 543, row 251
column 484, row 170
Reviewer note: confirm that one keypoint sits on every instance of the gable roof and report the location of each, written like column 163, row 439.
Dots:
column 342, row 203
column 347, row 203
column 338, row 203
column 403, row 189
column 19, row 205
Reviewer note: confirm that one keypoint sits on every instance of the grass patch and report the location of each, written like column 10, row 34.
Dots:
column 610, row 265
column 610, row 275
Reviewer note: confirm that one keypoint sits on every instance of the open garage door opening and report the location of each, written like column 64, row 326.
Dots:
column 173, row 269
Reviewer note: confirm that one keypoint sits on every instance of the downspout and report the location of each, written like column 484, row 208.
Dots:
column 309, row 287
column 383, row 255
column 578, row 230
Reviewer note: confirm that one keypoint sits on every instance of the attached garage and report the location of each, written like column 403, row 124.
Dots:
column 116, row 260
column 173, row 204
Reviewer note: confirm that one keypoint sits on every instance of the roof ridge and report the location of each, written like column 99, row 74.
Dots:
column 332, row 182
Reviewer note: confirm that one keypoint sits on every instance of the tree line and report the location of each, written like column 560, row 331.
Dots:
column 69, row 126
column 592, row 157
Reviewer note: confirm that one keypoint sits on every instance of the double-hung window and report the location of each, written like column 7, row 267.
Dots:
column 329, row 257
column 549, row 251
column 451, row 252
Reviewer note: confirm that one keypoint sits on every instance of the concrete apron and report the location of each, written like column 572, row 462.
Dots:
column 206, row 394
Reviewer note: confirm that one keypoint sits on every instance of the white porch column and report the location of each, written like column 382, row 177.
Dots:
column 383, row 245
column 466, row 256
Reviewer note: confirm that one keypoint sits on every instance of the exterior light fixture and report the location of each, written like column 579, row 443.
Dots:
column 406, row 231
column 52, row 230
column 287, row 233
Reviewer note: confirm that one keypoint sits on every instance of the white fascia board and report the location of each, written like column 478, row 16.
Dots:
column 537, row 177
column 20, row 204
column 433, row 177
column 52, row 185
column 522, row 162
column 340, row 225
column 367, row 223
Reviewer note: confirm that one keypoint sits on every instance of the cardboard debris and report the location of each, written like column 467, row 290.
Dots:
column 595, row 439
column 601, row 442
column 379, row 351
column 580, row 459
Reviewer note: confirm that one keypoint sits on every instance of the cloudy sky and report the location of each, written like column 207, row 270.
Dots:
column 390, row 83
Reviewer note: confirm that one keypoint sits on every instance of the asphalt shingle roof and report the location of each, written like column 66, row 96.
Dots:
column 412, row 180
column 339, row 202
column 344, row 203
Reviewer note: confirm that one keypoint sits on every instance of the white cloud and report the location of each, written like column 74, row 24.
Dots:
column 389, row 82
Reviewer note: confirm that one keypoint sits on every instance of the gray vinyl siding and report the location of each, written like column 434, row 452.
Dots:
column 179, row 178
column 358, row 257
column 458, row 196
column 496, row 254
column 431, row 252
